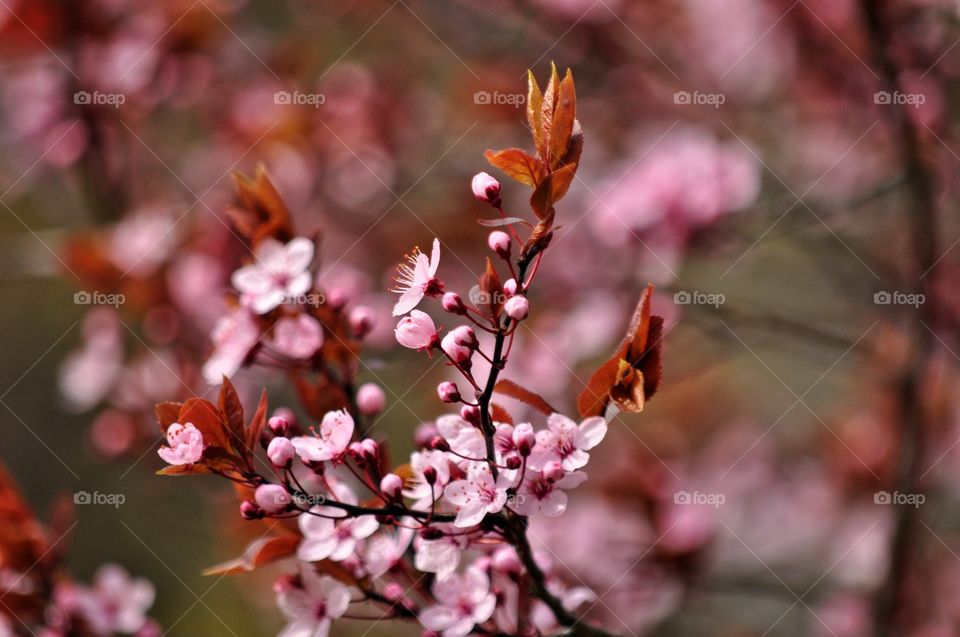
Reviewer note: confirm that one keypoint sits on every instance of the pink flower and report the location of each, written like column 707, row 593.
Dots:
column 312, row 607
column 336, row 430
column 464, row 601
column 438, row 464
column 478, row 494
column 386, row 550
column 568, row 442
column 279, row 274
column 517, row 307
column 440, row 556
column 115, row 603
column 457, row 351
column 272, row 498
column 233, row 337
column 448, row 392
column 418, row 279
column 539, row 494
column 464, row 438
column 324, row 538
column 297, row 337
column 417, row 331
column 185, row 444
column 499, row 242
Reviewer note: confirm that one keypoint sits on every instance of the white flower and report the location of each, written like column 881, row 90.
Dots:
column 440, row 556
column 311, row 609
column 336, row 430
column 324, row 538
column 279, row 273
column 478, row 494
column 537, row 494
column 416, row 279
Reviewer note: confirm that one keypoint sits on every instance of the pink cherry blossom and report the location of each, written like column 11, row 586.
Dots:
column 115, row 603
column 478, row 494
column 417, row 279
column 464, row 601
column 297, row 337
column 371, row 399
column 233, row 337
column 442, row 555
column 312, row 607
column 417, row 331
column 464, row 438
column 385, row 550
column 485, row 188
column 324, row 538
column 185, row 444
column 567, row 441
column 538, row 494
column 279, row 273
column 420, row 491
column 336, row 430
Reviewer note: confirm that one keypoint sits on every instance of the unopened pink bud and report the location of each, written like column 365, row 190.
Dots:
column 370, row 399
column 281, row 452
column 553, row 471
column 448, row 392
column 514, row 462
column 336, row 299
column 430, row 474
column 440, row 443
column 417, row 331
column 362, row 320
column 464, row 335
column 470, row 413
column 391, row 485
column 486, row 188
column 279, row 425
column 499, row 242
column 394, row 591
column 250, row 511
column 524, row 438
column 272, row 498
column 510, row 287
column 371, row 448
column 517, row 307
column 453, row 303
column 458, row 353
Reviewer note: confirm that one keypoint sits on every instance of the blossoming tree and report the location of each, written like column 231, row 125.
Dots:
column 442, row 539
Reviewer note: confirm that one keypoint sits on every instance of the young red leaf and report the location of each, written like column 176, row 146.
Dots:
column 265, row 550
column 535, row 114
column 167, row 414
column 564, row 114
column 232, row 409
column 513, row 390
column 517, row 164
column 258, row 422
column 208, row 419
column 500, row 414
column 491, row 289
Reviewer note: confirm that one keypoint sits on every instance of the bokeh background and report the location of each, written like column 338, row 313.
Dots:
column 783, row 171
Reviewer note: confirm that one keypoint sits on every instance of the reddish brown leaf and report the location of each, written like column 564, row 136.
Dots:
column 500, row 414
column 167, row 414
column 232, row 410
column 560, row 181
column 491, row 289
column 184, row 470
column 535, row 113
column 261, row 212
column 208, row 419
column 517, row 164
column 513, row 390
column 564, row 114
column 593, row 400
column 264, row 551
column 258, row 422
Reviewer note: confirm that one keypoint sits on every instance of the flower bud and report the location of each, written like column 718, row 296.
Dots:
column 430, row 474
column 517, row 307
column 431, row 533
column 278, row 425
column 514, row 462
column 250, row 511
column 371, row 448
column 281, row 452
column 458, row 353
column 362, row 320
column 272, row 498
column 510, row 287
column 424, row 433
column 394, row 591
column 370, row 399
column 336, row 299
column 357, row 452
column 486, row 188
column 524, row 438
column 465, row 336
column 440, row 443
column 499, row 242
column 448, row 392
column 391, row 485
column 553, row 471
column 453, row 303
column 505, row 561
column 471, row 413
